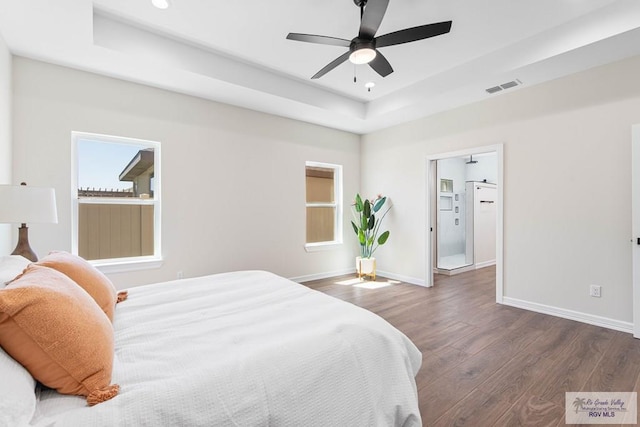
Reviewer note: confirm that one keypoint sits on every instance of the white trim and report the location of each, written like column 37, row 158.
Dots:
column 385, row 274
column 405, row 279
column 499, row 150
column 500, row 226
column 117, row 201
column 322, row 246
column 485, row 264
column 578, row 316
column 319, row 276
column 635, row 226
column 321, row 205
column 156, row 201
column 338, row 204
column 454, row 271
column 431, row 186
column 122, row 265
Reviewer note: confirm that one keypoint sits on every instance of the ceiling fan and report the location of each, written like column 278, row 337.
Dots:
column 363, row 49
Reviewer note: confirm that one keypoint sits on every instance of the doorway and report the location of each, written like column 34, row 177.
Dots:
column 465, row 214
column 460, row 186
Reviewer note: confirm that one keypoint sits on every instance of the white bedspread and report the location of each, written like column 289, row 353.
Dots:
column 248, row 349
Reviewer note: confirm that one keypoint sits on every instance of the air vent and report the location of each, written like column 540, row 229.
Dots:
column 507, row 85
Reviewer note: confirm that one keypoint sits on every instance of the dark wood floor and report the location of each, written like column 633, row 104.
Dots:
column 485, row 364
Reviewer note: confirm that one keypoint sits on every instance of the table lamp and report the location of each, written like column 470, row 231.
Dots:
column 22, row 204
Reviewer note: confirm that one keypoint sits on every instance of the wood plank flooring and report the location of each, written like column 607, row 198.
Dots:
column 485, row 364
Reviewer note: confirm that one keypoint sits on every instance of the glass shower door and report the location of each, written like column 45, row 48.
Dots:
column 451, row 215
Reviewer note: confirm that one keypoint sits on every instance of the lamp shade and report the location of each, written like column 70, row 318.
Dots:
column 23, row 204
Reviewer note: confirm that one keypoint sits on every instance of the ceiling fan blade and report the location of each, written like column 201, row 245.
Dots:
column 373, row 13
column 412, row 34
column 381, row 65
column 331, row 65
column 312, row 38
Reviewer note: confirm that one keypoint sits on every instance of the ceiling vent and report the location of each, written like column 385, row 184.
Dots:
column 507, row 85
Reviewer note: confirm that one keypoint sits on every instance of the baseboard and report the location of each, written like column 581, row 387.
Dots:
column 454, row 271
column 388, row 275
column 604, row 322
column 404, row 279
column 485, row 264
column 318, row 276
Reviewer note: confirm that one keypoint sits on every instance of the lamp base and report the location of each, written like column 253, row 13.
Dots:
column 23, row 248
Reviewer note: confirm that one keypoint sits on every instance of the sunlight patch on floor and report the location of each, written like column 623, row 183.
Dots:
column 372, row 285
column 349, row 282
column 366, row 284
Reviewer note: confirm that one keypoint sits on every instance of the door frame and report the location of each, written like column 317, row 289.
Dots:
column 431, row 202
column 635, row 225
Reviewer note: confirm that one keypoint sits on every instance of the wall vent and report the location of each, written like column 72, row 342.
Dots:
column 507, row 85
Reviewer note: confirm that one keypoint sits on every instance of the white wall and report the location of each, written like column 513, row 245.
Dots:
column 233, row 179
column 6, row 242
column 567, row 185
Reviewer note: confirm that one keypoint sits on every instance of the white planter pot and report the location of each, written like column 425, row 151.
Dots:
column 366, row 267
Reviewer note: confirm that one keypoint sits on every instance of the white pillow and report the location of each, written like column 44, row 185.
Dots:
column 10, row 267
column 17, row 393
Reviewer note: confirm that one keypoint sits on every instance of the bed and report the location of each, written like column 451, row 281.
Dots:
column 247, row 348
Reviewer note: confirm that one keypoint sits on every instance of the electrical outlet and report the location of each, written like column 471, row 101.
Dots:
column 180, row 275
column 595, row 291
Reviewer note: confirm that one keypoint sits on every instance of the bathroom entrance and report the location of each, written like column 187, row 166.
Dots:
column 466, row 212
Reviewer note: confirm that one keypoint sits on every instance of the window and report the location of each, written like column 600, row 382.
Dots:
column 324, row 204
column 116, row 200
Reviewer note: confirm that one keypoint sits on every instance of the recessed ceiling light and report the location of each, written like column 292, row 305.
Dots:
column 160, row 4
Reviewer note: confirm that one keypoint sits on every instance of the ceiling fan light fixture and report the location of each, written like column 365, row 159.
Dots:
column 160, row 4
column 362, row 48
column 362, row 56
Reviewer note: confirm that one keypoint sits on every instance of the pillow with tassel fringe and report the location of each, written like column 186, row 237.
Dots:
column 86, row 276
column 56, row 330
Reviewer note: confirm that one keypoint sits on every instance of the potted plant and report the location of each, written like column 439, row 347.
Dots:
column 368, row 216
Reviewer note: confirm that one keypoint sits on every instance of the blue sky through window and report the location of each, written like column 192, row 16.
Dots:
column 100, row 164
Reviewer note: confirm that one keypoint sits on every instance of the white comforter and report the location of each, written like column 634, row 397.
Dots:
column 248, row 349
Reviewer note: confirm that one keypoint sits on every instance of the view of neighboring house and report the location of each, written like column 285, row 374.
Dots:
column 111, row 230
column 139, row 171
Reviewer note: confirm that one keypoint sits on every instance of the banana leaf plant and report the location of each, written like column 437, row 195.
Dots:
column 367, row 218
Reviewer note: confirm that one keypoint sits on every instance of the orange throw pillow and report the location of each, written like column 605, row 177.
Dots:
column 55, row 330
column 87, row 276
